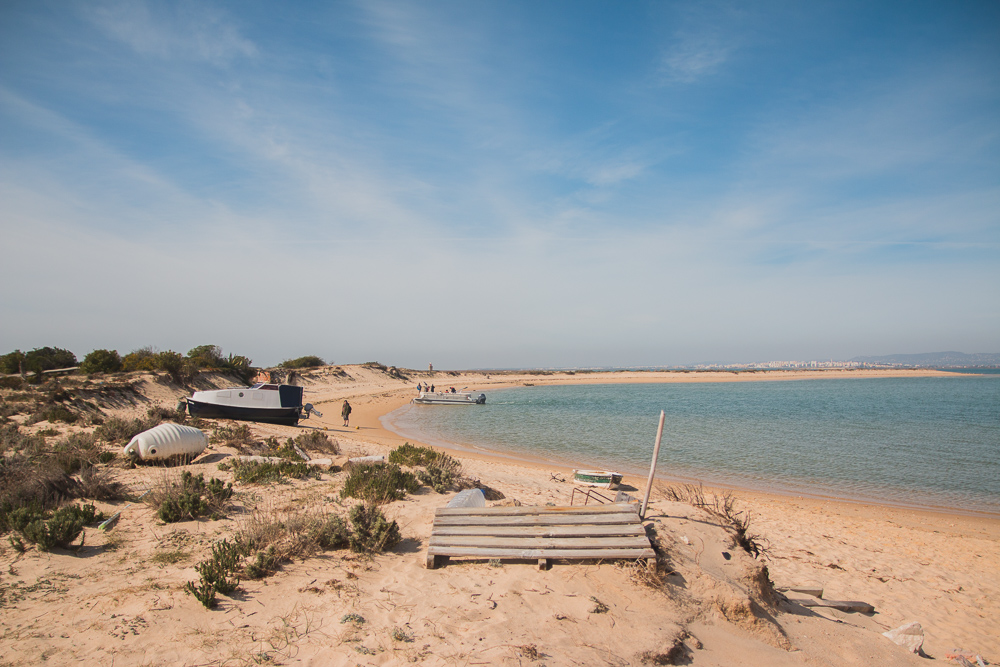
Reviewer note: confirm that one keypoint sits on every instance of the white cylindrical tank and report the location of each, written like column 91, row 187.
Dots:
column 166, row 441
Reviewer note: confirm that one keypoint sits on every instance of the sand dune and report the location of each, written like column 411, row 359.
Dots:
column 120, row 599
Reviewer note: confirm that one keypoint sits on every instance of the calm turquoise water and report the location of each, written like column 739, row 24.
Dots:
column 925, row 442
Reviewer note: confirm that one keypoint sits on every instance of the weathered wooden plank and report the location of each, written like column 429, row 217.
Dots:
column 542, row 531
column 536, row 520
column 815, row 592
column 542, row 542
column 533, row 554
column 842, row 605
column 524, row 510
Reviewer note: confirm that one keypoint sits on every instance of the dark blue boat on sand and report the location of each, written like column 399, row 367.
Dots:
column 263, row 402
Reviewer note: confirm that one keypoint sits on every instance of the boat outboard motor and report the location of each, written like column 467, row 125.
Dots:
column 308, row 408
column 481, row 399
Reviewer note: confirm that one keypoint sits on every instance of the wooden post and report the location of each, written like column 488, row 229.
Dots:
column 652, row 466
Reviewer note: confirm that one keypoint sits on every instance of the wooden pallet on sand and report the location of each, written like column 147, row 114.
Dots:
column 602, row 532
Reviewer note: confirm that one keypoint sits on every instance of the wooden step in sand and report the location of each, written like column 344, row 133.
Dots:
column 595, row 532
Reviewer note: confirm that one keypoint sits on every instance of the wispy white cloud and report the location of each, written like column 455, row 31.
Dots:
column 693, row 57
column 562, row 238
column 176, row 31
column 704, row 38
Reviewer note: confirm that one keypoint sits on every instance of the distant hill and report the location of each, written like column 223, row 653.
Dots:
column 935, row 359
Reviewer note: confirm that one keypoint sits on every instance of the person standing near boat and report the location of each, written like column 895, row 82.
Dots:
column 345, row 412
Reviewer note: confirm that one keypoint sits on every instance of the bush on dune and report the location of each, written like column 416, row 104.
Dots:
column 56, row 529
column 37, row 360
column 191, row 498
column 317, row 441
column 101, row 361
column 408, row 455
column 210, row 357
column 378, row 483
column 308, row 361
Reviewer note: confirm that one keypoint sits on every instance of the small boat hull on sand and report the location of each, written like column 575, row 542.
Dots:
column 286, row 416
column 263, row 402
column 601, row 479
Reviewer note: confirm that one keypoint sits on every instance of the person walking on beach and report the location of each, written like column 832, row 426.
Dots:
column 345, row 412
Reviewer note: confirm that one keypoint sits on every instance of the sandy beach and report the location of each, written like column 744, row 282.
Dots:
column 120, row 601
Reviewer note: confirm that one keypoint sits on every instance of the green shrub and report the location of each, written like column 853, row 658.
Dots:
column 317, row 441
column 11, row 438
column 19, row 518
column 217, row 574
column 408, row 455
column 210, row 357
column 265, row 563
column 241, row 367
column 58, row 413
column 116, row 429
column 442, row 470
column 442, row 473
column 329, row 533
column 143, row 359
column 101, row 361
column 76, row 451
column 378, row 483
column 207, row 356
column 190, row 499
column 217, row 570
column 203, row 591
column 185, row 505
column 48, row 358
column 30, row 481
column 371, row 532
column 97, row 484
column 308, row 361
column 173, row 363
column 265, row 472
column 60, row 530
column 274, row 448
column 12, row 382
column 148, row 359
column 12, row 362
column 401, row 635
column 278, row 536
column 9, row 409
column 38, row 360
column 238, row 436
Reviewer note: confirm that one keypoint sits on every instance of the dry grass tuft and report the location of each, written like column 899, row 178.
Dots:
column 723, row 507
column 277, row 536
column 639, row 574
column 98, row 484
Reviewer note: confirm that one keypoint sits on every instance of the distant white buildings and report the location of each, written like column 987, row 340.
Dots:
column 772, row 365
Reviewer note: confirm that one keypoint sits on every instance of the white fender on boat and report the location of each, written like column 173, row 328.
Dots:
column 165, row 441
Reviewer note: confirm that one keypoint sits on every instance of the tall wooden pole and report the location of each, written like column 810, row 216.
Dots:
column 652, row 466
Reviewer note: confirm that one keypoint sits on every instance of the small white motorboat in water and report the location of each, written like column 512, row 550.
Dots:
column 449, row 398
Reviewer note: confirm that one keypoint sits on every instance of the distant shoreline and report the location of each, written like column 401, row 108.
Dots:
column 511, row 380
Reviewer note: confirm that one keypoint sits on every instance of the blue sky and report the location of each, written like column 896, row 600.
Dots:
column 500, row 184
